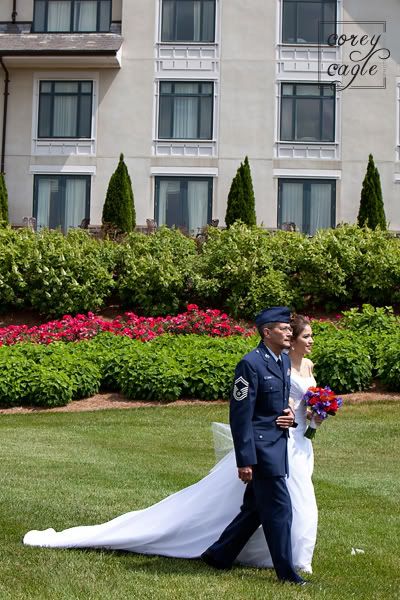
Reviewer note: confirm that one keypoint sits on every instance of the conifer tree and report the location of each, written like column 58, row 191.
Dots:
column 371, row 212
column 249, row 200
column 241, row 202
column 3, row 201
column 119, row 209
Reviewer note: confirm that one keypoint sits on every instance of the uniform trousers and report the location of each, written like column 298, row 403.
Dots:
column 267, row 502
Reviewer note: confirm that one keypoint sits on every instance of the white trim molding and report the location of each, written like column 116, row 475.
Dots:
column 308, row 173
column 62, row 170
column 184, row 171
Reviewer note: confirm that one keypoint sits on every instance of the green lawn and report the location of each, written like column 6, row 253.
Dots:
column 65, row 469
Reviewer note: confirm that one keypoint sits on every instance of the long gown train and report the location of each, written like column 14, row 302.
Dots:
column 184, row 524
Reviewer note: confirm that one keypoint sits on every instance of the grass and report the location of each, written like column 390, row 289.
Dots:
column 65, row 469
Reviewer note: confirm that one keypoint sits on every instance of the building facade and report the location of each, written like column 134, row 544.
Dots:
column 185, row 89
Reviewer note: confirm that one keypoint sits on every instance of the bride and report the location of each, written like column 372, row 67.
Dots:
column 184, row 524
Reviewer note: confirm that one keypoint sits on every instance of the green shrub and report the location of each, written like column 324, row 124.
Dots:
column 152, row 376
column 388, row 360
column 371, row 212
column 119, row 208
column 16, row 248
column 342, row 361
column 24, row 382
column 234, row 271
column 154, row 271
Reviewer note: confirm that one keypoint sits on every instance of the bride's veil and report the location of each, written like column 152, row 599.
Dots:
column 222, row 439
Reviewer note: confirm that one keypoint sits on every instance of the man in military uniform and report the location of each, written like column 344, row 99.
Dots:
column 260, row 418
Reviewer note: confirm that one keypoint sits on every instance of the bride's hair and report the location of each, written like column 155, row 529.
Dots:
column 298, row 323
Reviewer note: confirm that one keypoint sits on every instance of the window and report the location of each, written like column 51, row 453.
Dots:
column 188, row 21
column 65, row 109
column 308, row 21
column 61, row 200
column 309, row 204
column 307, row 112
column 72, row 15
column 186, row 110
column 183, row 202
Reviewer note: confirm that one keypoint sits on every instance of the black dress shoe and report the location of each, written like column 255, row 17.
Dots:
column 211, row 562
column 299, row 581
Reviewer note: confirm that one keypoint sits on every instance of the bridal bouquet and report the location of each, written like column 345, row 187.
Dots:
column 322, row 402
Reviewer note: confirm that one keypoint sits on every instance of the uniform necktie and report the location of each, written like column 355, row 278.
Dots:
column 280, row 364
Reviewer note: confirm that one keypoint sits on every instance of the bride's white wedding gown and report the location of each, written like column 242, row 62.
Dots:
column 184, row 524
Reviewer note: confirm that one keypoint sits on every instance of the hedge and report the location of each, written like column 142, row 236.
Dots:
column 191, row 366
column 239, row 270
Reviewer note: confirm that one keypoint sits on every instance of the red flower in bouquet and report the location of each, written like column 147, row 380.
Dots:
column 322, row 403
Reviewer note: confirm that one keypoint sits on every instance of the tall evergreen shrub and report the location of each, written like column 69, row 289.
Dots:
column 241, row 201
column 3, row 201
column 119, row 208
column 371, row 212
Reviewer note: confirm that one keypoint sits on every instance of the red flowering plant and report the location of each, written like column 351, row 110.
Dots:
column 209, row 322
column 322, row 402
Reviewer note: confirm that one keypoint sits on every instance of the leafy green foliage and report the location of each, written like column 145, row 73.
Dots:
column 241, row 201
column 341, row 361
column 53, row 273
column 234, row 271
column 119, row 209
column 371, row 211
column 154, row 271
column 388, row 360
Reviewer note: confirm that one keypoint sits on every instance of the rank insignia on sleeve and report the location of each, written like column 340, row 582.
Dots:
column 240, row 389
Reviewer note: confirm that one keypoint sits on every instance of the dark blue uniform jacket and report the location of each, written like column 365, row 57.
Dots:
column 260, row 393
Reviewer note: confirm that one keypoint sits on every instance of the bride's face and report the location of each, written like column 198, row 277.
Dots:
column 303, row 343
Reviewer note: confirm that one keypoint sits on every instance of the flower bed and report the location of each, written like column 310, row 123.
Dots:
column 209, row 322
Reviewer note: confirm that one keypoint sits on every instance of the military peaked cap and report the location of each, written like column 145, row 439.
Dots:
column 275, row 314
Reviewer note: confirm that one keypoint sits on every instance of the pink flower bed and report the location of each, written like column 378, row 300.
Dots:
column 83, row 327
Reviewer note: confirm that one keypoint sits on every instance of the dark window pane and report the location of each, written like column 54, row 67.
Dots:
column 186, row 110
column 328, row 120
column 287, row 119
column 44, row 129
column 208, row 23
column 188, row 21
column 72, row 15
column 308, row 114
column 61, row 201
column 308, row 120
column 289, row 23
column 39, row 16
column 304, row 21
column 184, row 21
column 165, row 130
column 206, row 119
column 183, row 202
column 309, row 17
column 309, row 204
column 65, row 109
column 167, row 27
column 105, row 15
column 85, row 117
column 59, row 16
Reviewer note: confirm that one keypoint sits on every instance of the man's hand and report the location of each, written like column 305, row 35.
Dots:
column 286, row 420
column 245, row 474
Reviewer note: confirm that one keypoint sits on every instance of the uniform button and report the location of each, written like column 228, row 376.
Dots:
column 260, row 437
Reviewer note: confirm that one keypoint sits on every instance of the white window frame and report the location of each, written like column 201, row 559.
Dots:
column 64, row 146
